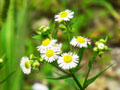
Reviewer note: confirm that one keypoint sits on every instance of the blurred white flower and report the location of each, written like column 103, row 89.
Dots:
column 64, row 15
column 38, row 86
column 25, row 65
column 80, row 42
column 68, row 60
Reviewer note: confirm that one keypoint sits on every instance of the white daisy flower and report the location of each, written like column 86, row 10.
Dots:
column 47, row 43
column 25, row 65
column 101, row 46
column 38, row 86
column 68, row 60
column 65, row 15
column 80, row 42
column 52, row 53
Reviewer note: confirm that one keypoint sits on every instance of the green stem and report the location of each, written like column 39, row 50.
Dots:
column 68, row 35
column 74, row 77
column 76, row 80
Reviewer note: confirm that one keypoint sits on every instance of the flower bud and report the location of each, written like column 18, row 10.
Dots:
column 38, row 32
column 41, row 59
column 95, row 49
column 102, row 40
column 106, row 47
column 36, row 65
column 96, row 43
column 62, row 27
column 101, row 52
column 1, row 60
column 42, row 27
column 46, row 29
column 31, row 56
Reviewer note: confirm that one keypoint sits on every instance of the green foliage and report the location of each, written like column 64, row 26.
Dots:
column 89, row 81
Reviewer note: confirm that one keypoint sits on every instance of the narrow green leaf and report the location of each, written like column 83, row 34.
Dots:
column 36, row 37
column 52, row 26
column 55, row 36
column 89, row 81
column 61, row 77
column 58, row 74
column 7, row 77
column 106, row 39
column 3, row 56
column 80, row 53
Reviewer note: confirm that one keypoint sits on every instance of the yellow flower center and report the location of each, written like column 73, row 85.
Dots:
column 63, row 14
column 27, row 64
column 67, row 58
column 45, row 42
column 49, row 53
column 80, row 40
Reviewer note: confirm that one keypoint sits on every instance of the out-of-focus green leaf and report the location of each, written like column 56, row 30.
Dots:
column 37, row 37
column 80, row 53
column 58, row 74
column 106, row 39
column 7, row 77
column 61, row 77
column 52, row 26
column 89, row 81
column 55, row 35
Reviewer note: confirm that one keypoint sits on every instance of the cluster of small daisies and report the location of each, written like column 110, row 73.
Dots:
column 50, row 50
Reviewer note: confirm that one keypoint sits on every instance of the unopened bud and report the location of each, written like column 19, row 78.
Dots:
column 46, row 29
column 31, row 56
column 41, row 59
column 96, row 43
column 1, row 60
column 102, row 40
column 62, row 27
column 106, row 47
column 36, row 65
column 101, row 52
column 95, row 49
column 42, row 27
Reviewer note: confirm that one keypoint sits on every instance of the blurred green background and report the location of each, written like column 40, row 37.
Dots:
column 19, row 19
